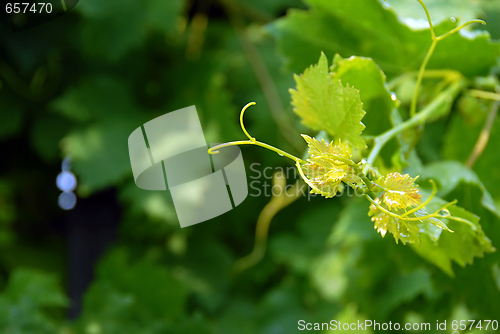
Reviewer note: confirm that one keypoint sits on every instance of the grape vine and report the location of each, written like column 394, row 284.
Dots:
column 324, row 103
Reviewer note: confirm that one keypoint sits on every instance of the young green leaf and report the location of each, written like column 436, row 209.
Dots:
column 401, row 191
column 402, row 229
column 323, row 171
column 324, row 103
column 400, row 211
column 405, row 231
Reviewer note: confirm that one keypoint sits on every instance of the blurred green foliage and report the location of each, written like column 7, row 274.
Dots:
column 79, row 85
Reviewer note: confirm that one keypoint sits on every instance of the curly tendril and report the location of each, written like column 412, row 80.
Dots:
column 251, row 140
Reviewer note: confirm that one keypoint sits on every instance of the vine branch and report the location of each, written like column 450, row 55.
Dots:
column 484, row 136
column 419, row 118
column 265, row 217
column 435, row 40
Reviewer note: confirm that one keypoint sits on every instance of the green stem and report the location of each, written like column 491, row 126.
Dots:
column 214, row 150
column 484, row 95
column 419, row 118
column 413, row 106
column 365, row 179
column 413, row 219
column 462, row 220
column 429, row 199
column 451, row 32
column 306, row 180
column 241, row 121
column 435, row 40
column 433, row 35
column 484, row 136
column 427, row 74
column 277, row 203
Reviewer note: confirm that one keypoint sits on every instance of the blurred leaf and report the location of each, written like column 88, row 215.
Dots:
column 208, row 263
column 461, row 246
column 96, row 97
column 41, row 289
column 462, row 10
column 496, row 274
column 216, row 99
column 354, row 225
column 45, row 254
column 112, row 28
column 329, row 274
column 133, row 297
column 464, row 130
column 492, row 10
column 403, row 288
column 163, row 15
column 351, row 315
column 109, row 310
column 280, row 309
column 24, row 318
column 150, row 285
column 271, row 8
column 25, row 301
column 46, row 134
column 239, row 317
column 454, row 179
column 99, row 154
column 324, row 103
column 298, row 250
column 99, row 151
column 366, row 28
column 157, row 205
column 448, row 175
column 331, row 270
column 290, row 250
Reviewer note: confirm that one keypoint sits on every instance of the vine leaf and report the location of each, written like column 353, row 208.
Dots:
column 401, row 191
column 462, row 246
column 462, row 133
column 401, row 197
column 455, row 178
column 324, row 174
column 338, row 26
column 324, row 103
column 405, row 230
